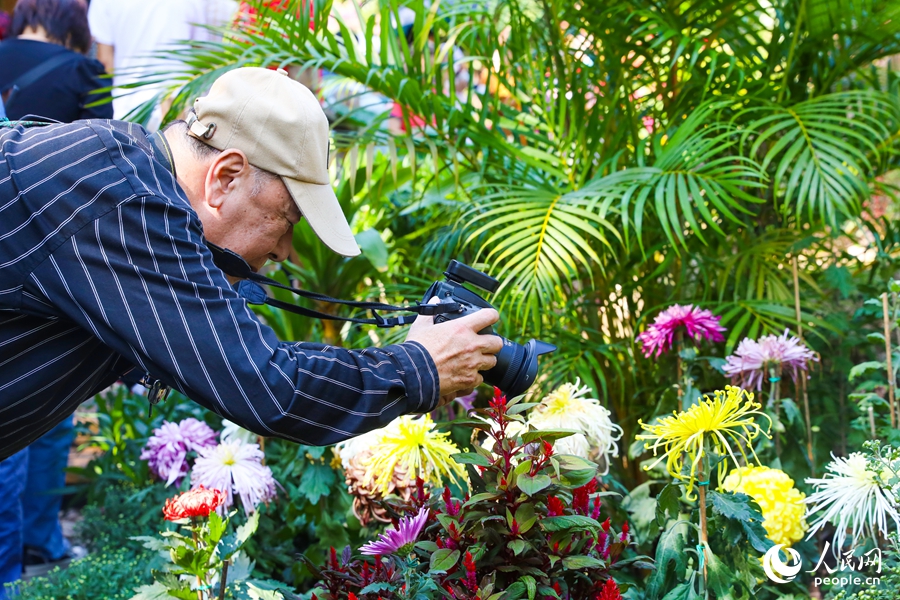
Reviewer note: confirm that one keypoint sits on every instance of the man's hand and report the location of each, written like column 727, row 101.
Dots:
column 458, row 350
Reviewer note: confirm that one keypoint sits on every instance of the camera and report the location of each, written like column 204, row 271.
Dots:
column 517, row 364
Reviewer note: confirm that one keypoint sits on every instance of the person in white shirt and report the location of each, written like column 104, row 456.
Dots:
column 128, row 32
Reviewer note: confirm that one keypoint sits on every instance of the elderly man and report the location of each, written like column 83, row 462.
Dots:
column 104, row 267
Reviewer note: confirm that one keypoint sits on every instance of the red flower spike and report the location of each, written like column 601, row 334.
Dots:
column 606, row 524
column 351, row 596
column 548, row 449
column 595, row 514
column 610, row 591
column 365, row 573
column 514, row 529
column 333, row 559
column 420, row 490
column 471, row 577
column 555, row 507
column 624, row 535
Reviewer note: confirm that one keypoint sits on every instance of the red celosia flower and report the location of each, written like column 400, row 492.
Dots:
column 606, row 524
column 581, row 497
column 555, row 507
column 352, row 596
column 471, row 578
column 193, row 503
column 610, row 591
column 624, row 535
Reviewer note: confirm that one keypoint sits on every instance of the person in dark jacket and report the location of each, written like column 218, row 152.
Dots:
column 43, row 68
column 44, row 75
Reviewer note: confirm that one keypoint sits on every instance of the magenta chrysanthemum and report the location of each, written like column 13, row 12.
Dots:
column 235, row 467
column 166, row 450
column 698, row 323
column 399, row 540
column 749, row 365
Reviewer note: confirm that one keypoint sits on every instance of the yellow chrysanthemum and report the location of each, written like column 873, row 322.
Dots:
column 412, row 443
column 712, row 424
column 781, row 503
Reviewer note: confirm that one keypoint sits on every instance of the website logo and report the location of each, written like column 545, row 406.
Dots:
column 778, row 571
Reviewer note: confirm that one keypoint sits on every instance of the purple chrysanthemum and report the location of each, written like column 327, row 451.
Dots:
column 400, row 540
column 235, row 467
column 166, row 450
column 699, row 323
column 750, row 363
column 467, row 402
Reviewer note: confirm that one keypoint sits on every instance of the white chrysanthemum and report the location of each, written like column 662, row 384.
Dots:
column 346, row 450
column 232, row 431
column 570, row 408
column 849, row 496
column 235, row 468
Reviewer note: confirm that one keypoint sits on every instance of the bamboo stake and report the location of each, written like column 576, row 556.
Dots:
column 803, row 393
column 887, row 348
column 704, row 476
column 775, row 401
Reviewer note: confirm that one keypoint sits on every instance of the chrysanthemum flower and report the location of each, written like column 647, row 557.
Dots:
column 413, row 445
column 698, row 323
column 232, row 431
column 193, row 503
column 781, row 503
column 569, row 408
column 850, row 496
column 720, row 421
column 750, row 363
column 235, row 467
column 166, row 450
column 398, row 541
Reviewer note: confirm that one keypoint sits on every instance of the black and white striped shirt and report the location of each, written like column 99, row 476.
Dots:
column 103, row 266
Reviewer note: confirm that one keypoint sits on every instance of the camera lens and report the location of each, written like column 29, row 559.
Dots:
column 516, row 366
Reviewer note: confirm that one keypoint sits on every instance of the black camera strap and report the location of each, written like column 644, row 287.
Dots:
column 251, row 290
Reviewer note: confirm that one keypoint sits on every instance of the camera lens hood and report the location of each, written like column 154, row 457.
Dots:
column 517, row 366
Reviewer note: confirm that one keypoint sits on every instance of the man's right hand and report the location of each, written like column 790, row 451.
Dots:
column 458, row 350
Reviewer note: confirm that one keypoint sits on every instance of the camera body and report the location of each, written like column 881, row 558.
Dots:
column 517, row 366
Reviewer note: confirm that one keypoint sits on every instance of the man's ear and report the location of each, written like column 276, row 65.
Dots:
column 227, row 172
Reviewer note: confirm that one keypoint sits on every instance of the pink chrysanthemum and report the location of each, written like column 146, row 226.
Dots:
column 698, row 323
column 236, row 468
column 400, row 540
column 749, row 365
column 166, row 450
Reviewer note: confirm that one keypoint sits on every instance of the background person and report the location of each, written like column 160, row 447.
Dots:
column 43, row 68
column 129, row 32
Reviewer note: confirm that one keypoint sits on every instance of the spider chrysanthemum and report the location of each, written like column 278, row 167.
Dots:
column 719, row 424
column 413, row 445
column 851, row 496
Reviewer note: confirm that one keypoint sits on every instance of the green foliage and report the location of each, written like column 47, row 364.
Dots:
column 112, row 574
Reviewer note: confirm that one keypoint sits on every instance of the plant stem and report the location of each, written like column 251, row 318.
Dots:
column 197, row 547
column 887, row 349
column 222, row 583
column 802, row 382
column 872, row 422
column 775, row 401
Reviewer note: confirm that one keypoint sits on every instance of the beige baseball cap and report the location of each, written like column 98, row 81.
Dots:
column 278, row 123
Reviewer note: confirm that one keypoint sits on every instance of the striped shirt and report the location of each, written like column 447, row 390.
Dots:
column 103, row 268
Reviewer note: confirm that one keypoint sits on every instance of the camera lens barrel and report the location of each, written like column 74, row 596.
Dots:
column 517, row 366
